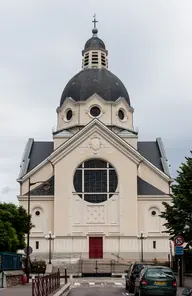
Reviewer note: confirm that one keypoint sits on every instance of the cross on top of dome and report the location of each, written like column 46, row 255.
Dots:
column 95, row 30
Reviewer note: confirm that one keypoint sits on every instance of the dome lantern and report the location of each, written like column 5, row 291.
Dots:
column 94, row 52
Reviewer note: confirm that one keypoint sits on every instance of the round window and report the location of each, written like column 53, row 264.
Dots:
column 153, row 213
column 37, row 213
column 69, row 114
column 95, row 111
column 95, row 181
column 121, row 114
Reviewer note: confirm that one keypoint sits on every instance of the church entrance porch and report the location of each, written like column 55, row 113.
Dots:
column 95, row 247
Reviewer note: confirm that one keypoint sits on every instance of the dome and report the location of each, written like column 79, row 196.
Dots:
column 100, row 81
column 94, row 43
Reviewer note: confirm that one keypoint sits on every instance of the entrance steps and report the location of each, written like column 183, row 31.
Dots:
column 92, row 266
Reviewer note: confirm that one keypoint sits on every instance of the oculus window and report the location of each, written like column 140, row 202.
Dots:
column 95, row 181
column 121, row 114
column 69, row 114
column 95, row 111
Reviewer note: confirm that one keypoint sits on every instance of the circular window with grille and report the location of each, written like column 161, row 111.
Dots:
column 95, row 181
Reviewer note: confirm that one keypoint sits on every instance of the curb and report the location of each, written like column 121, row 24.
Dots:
column 63, row 290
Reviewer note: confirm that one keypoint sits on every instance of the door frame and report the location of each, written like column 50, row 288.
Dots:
column 95, row 235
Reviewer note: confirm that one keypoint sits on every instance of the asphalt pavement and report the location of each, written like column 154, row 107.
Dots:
column 86, row 287
column 99, row 287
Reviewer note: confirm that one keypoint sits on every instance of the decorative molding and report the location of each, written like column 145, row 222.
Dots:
column 153, row 198
column 36, row 198
column 63, row 134
column 95, row 215
column 95, row 143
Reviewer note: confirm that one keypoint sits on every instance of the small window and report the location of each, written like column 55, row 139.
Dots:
column 154, row 244
column 153, row 213
column 37, row 245
column 121, row 114
column 37, row 213
column 95, row 111
column 69, row 114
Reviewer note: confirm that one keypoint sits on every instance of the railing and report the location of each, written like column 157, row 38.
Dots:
column 45, row 285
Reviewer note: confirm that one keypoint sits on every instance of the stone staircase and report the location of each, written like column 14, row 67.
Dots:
column 91, row 266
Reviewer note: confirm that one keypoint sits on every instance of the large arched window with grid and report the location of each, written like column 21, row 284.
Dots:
column 95, row 181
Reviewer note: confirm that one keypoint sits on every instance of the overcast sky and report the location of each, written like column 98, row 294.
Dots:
column 150, row 50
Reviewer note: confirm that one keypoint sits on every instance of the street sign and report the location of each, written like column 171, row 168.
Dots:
column 179, row 240
column 178, row 250
column 30, row 250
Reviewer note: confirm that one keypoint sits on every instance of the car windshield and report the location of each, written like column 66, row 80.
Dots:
column 138, row 267
column 159, row 273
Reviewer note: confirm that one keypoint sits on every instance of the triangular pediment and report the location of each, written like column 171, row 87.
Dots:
column 97, row 135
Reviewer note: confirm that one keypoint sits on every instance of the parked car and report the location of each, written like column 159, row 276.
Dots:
column 132, row 273
column 156, row 280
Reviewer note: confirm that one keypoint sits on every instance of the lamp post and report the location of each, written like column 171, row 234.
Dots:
column 142, row 237
column 50, row 237
column 45, row 187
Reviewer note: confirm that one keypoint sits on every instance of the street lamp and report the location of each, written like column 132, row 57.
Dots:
column 46, row 187
column 50, row 237
column 142, row 237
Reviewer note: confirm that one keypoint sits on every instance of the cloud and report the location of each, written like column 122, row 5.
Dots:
column 5, row 190
column 149, row 44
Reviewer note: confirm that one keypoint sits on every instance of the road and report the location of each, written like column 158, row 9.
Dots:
column 101, row 287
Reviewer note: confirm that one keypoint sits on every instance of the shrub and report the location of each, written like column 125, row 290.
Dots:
column 38, row 266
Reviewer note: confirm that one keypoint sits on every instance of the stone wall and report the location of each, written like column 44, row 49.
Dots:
column 12, row 278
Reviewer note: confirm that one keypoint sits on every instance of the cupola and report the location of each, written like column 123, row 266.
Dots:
column 94, row 53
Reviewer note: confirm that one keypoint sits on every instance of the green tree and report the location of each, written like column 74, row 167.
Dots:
column 178, row 214
column 13, row 227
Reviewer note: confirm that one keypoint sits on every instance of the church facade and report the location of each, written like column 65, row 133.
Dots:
column 106, row 187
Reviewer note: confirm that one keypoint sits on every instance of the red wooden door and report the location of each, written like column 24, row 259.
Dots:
column 95, row 247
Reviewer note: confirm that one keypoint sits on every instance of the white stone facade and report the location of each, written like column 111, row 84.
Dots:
column 124, row 213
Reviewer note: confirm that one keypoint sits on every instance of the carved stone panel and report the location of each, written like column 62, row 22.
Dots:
column 95, row 214
column 95, row 143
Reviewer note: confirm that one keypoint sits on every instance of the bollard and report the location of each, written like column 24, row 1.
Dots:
column 65, row 275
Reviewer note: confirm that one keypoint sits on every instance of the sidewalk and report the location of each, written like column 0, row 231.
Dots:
column 17, row 291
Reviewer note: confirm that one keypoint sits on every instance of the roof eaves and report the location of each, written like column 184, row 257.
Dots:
column 164, row 159
column 26, row 158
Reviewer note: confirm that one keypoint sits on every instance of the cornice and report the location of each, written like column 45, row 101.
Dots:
column 154, row 198
column 35, row 198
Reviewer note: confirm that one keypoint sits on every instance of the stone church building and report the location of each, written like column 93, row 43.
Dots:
column 105, row 186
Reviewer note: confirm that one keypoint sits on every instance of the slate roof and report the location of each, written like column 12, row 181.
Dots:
column 150, row 150
column 39, row 152
column 90, row 81
column 144, row 188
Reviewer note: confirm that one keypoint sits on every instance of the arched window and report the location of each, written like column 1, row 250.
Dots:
column 95, row 181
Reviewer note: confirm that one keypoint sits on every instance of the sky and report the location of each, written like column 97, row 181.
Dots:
column 150, row 50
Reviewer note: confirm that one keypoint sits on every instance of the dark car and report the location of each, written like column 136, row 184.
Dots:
column 156, row 280
column 132, row 273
